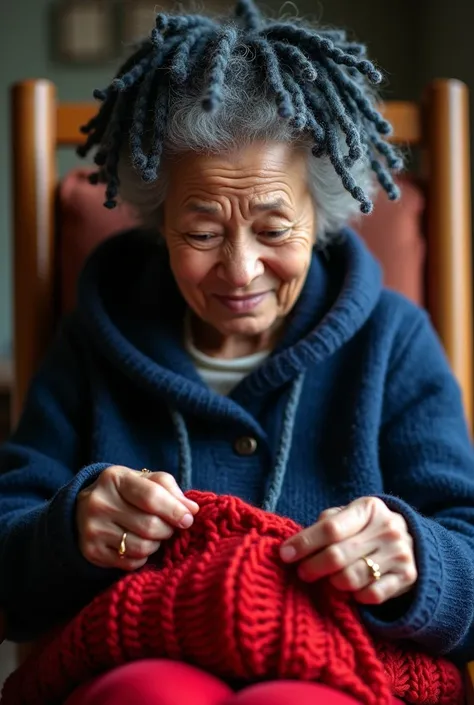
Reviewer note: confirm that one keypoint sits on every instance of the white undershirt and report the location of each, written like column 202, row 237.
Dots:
column 219, row 374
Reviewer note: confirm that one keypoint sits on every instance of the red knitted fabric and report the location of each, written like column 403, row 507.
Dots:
column 222, row 599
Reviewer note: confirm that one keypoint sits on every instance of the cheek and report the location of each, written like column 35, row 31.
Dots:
column 290, row 264
column 189, row 266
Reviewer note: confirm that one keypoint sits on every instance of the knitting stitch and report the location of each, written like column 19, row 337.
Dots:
column 219, row 597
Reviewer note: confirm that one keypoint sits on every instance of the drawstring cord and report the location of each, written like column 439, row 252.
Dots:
column 277, row 476
column 185, row 476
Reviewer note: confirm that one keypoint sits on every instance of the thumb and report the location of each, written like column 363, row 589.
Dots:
column 330, row 512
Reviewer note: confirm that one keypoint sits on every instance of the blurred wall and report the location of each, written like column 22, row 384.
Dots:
column 24, row 38
column 413, row 40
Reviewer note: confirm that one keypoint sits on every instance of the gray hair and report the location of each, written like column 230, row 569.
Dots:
column 247, row 114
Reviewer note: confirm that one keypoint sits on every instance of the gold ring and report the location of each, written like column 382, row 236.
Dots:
column 145, row 471
column 122, row 549
column 373, row 567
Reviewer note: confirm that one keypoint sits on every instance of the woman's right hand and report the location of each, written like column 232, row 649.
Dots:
column 149, row 507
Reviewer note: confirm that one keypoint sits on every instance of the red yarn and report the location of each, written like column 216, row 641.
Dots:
column 222, row 599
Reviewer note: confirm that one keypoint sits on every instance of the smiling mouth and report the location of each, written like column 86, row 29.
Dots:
column 241, row 304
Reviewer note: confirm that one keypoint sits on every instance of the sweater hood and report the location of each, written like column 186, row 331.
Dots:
column 134, row 314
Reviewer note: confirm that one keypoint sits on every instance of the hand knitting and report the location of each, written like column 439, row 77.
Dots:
column 133, row 510
column 222, row 599
column 339, row 543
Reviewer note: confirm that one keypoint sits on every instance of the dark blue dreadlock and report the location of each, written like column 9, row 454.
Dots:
column 318, row 78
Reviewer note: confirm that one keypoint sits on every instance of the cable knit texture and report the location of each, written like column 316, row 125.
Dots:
column 220, row 598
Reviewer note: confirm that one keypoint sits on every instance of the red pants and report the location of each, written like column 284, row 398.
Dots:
column 159, row 682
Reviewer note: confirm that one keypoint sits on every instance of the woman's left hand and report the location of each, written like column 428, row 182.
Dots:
column 336, row 546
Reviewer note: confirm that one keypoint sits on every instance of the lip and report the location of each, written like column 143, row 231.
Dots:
column 241, row 304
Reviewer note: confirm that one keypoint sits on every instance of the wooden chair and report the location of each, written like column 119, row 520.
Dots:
column 437, row 127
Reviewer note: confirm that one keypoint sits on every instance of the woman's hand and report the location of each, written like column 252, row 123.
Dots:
column 147, row 506
column 337, row 544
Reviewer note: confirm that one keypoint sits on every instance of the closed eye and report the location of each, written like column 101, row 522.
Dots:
column 201, row 237
column 203, row 241
column 274, row 234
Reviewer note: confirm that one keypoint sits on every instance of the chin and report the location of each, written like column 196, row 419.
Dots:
column 247, row 326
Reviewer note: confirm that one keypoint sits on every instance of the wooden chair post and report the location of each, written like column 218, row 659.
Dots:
column 449, row 276
column 34, row 182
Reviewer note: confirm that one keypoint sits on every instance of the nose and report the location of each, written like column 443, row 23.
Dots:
column 240, row 265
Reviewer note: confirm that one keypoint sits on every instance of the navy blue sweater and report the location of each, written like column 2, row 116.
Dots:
column 356, row 400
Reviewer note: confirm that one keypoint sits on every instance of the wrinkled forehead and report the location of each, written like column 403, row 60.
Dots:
column 264, row 174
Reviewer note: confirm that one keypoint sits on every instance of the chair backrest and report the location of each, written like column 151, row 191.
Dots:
column 438, row 127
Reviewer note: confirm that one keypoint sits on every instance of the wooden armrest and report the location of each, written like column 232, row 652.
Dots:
column 470, row 683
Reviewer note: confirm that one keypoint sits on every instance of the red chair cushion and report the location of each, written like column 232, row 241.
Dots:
column 83, row 224
column 394, row 233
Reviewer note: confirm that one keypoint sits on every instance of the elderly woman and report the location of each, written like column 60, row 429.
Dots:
column 242, row 343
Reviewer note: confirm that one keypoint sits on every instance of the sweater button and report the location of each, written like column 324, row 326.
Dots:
column 246, row 445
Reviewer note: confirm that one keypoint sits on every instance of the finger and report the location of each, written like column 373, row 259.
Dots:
column 166, row 480
column 332, row 529
column 398, row 561
column 338, row 557
column 146, row 526
column 127, row 564
column 111, row 559
column 153, row 498
column 330, row 512
column 378, row 592
column 358, row 575
column 102, row 549
column 135, row 547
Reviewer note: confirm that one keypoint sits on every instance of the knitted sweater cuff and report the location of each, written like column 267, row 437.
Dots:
column 61, row 526
column 428, row 615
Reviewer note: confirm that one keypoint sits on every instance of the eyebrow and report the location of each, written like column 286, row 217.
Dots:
column 207, row 209
column 269, row 205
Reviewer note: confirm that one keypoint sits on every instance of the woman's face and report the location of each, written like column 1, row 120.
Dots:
column 239, row 227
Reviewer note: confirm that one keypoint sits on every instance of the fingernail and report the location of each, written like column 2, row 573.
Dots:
column 194, row 505
column 186, row 521
column 287, row 553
